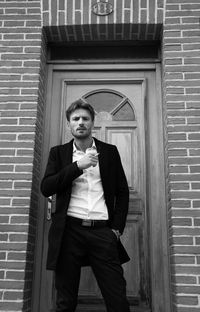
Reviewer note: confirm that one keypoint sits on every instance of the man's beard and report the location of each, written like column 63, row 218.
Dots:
column 82, row 135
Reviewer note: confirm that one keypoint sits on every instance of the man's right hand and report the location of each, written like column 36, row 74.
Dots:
column 87, row 161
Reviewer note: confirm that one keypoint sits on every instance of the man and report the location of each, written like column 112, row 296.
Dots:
column 91, row 208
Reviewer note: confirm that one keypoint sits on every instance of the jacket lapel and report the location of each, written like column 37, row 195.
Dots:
column 103, row 162
column 66, row 155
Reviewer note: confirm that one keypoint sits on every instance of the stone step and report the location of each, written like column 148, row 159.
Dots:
column 101, row 308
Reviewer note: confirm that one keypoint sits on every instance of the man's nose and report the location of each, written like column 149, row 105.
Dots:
column 81, row 122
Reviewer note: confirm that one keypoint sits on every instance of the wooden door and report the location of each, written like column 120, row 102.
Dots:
column 119, row 100
column 120, row 120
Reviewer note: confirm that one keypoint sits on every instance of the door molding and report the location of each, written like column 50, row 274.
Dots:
column 161, row 300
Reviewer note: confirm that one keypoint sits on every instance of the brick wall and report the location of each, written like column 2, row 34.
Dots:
column 73, row 20
column 22, row 87
column 20, row 140
column 181, row 64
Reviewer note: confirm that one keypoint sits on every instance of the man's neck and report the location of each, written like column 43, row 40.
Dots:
column 83, row 144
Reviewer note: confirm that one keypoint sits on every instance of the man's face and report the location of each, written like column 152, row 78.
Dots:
column 81, row 124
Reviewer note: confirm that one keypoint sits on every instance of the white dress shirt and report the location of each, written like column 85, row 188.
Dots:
column 87, row 197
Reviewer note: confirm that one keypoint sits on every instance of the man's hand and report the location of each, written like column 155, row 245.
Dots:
column 117, row 233
column 87, row 161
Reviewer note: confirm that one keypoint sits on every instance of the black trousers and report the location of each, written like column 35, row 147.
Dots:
column 100, row 246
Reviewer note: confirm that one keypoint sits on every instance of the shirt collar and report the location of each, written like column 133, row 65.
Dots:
column 75, row 150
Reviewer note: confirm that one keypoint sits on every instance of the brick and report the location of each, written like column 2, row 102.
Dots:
column 13, row 295
column 26, row 137
column 187, row 300
column 175, row 121
column 194, row 152
column 197, row 240
column 2, row 255
column 18, row 237
column 19, row 220
column 24, row 152
column 16, row 10
column 187, row 309
column 185, row 212
column 21, row 201
column 2, row 274
column 178, row 169
column 192, row 75
column 188, row 289
column 33, row 10
column 7, row 152
column 184, row 97
column 184, row 160
column 14, row 275
column 181, row 203
column 33, row 24
column 180, row 186
column 187, row 231
column 172, row 7
column 20, row 17
column 14, row 246
column 191, row 33
column 194, row 136
column 195, row 186
column 22, row 185
column 175, row 90
column 181, row 128
column 20, row 56
column 192, row 90
column 197, row 222
column 3, row 237
column 193, row 105
column 196, row 204
column 4, row 219
column 24, row 168
column 6, row 168
column 182, row 240
column 174, row 105
column 17, row 193
column 20, row 256
column 4, row 201
column 189, row 144
column 184, row 260
column 180, row 136
column 178, row 152
column 191, row 270
column 191, row 60
column 182, row 222
column 194, row 169
column 12, row 305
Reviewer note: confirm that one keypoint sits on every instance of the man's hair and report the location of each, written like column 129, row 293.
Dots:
column 80, row 104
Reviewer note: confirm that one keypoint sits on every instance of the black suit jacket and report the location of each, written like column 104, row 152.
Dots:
column 59, row 175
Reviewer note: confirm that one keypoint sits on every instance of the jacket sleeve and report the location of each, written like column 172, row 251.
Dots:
column 121, row 196
column 57, row 180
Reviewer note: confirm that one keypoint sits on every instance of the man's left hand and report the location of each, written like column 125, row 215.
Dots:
column 117, row 233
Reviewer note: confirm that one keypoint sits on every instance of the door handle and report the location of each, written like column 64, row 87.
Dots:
column 51, row 206
column 49, row 209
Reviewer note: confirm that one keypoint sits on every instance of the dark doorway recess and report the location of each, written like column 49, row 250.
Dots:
column 109, row 52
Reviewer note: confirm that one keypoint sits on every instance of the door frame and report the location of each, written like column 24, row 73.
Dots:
column 160, row 295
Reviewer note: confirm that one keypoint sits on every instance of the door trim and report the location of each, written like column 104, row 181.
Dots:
column 157, row 305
